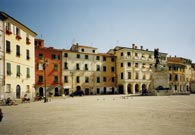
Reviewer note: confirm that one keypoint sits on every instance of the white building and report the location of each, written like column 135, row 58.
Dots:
column 84, row 69
column 17, row 58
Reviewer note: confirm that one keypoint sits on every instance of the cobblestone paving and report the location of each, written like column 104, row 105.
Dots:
column 102, row 115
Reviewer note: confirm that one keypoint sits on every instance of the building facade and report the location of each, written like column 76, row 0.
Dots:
column 17, row 58
column 134, row 67
column 48, row 69
column 86, row 70
column 180, row 73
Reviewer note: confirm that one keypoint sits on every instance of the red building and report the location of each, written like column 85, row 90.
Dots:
column 48, row 69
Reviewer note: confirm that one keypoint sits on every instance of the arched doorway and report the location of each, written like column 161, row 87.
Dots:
column 41, row 92
column 87, row 91
column 136, row 88
column 56, row 93
column 120, row 89
column 144, row 87
column 129, row 89
column 18, row 91
column 78, row 91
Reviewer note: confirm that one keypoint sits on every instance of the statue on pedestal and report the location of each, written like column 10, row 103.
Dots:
column 156, row 56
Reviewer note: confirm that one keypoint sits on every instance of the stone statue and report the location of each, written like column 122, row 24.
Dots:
column 156, row 56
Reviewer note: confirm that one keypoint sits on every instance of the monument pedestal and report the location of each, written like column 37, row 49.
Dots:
column 160, row 83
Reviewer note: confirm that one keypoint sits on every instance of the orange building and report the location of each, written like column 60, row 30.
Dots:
column 48, row 69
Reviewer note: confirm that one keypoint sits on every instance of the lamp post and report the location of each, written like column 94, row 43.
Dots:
column 44, row 68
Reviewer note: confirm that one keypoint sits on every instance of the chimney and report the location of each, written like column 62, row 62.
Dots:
column 133, row 46
column 141, row 47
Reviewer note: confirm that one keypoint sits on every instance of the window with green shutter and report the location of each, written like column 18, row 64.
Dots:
column 27, row 72
column 8, row 69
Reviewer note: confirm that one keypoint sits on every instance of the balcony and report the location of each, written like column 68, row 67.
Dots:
column 18, row 37
column 28, row 41
column 8, row 32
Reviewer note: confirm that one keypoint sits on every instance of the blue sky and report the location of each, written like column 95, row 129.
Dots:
column 165, row 24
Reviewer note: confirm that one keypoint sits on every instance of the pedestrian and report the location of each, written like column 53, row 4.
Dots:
column 1, row 115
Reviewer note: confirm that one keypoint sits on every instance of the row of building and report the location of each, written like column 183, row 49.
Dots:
column 28, row 67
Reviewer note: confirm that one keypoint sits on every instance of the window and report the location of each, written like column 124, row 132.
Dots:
column 121, row 75
column 78, row 79
column 104, row 58
column 176, row 77
column 82, row 50
column 8, row 88
column 65, row 55
column 129, row 75
column 86, row 67
column 65, row 65
column 17, row 31
column 8, row 46
column 86, row 79
column 8, row 26
column 78, row 56
column 86, row 56
column 136, row 54
column 112, row 79
column 55, row 67
column 93, row 51
column 97, row 67
column 40, row 79
column 17, row 50
column 129, row 64
column 170, row 77
column 136, row 65
column 112, row 69
column 55, row 57
column 27, row 39
column 55, row 79
column 27, row 54
column 104, row 79
column 136, row 75
column 65, row 79
column 8, row 69
column 27, row 72
column 98, row 79
column 40, row 56
column 77, row 67
column 128, row 53
column 104, row 68
column 18, row 71
column 97, row 57
column 121, row 64
column 112, row 59
column 122, row 54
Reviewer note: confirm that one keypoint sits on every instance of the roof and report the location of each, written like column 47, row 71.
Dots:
column 178, row 60
column 6, row 16
column 120, row 48
column 83, row 46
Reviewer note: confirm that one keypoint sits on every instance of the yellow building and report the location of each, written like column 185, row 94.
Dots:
column 86, row 70
column 134, row 68
column 180, row 73
column 18, row 58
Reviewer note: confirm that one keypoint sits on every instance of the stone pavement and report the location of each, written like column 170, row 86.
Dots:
column 102, row 115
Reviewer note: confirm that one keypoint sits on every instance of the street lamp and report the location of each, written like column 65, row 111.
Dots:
column 44, row 68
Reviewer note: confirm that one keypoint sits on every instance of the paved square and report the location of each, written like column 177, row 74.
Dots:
column 102, row 115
